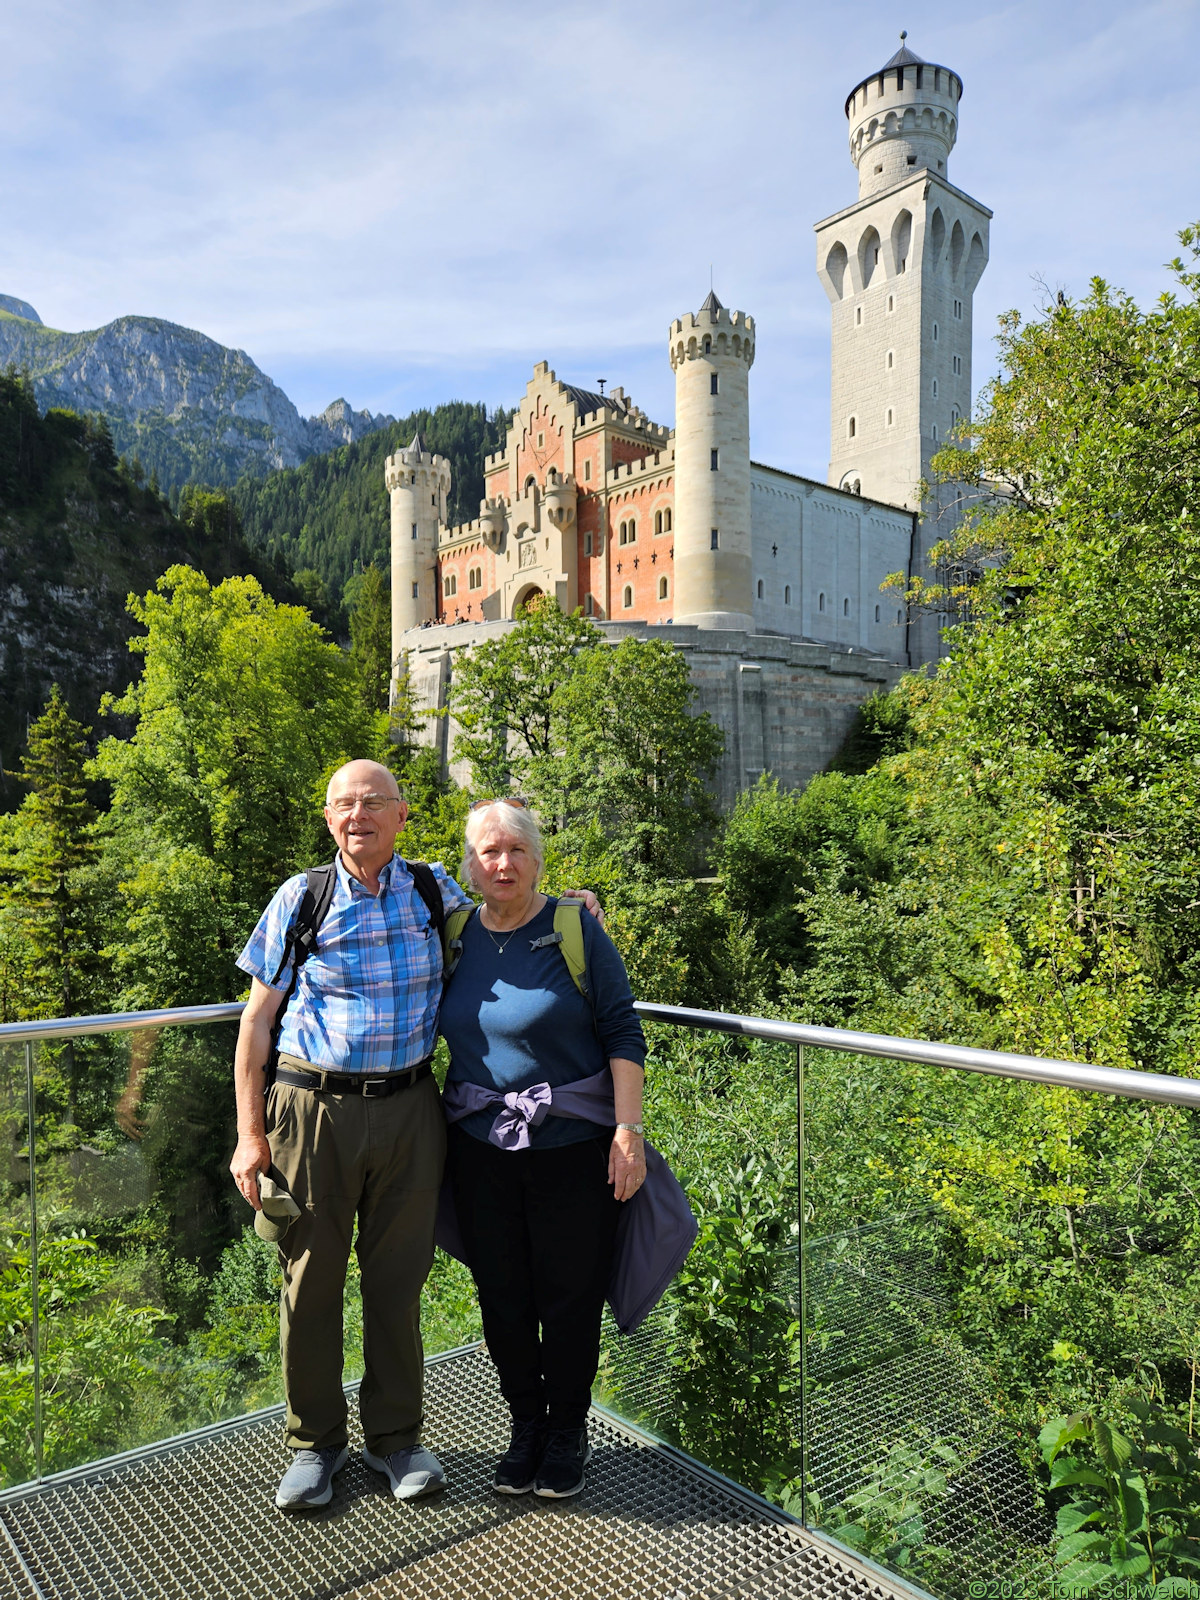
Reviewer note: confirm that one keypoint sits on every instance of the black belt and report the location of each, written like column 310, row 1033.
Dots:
column 354, row 1082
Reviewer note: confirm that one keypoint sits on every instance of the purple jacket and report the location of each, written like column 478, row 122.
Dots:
column 656, row 1228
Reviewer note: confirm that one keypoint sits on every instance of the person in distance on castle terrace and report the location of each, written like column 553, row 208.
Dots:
column 537, row 1209
column 350, row 1127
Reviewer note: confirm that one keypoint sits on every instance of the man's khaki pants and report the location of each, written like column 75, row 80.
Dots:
column 379, row 1159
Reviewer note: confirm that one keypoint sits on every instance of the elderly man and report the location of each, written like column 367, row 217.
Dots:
column 351, row 1126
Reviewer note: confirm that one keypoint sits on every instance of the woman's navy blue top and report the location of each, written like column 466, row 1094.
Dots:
column 516, row 1019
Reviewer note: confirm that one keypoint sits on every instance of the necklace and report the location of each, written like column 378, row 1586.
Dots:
column 500, row 947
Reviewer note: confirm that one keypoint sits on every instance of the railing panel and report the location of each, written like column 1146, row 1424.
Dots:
column 19, row 1423
column 715, row 1369
column 981, row 1256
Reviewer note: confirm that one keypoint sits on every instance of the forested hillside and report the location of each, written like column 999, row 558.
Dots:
column 330, row 516
column 79, row 531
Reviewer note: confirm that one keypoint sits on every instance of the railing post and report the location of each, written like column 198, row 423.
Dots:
column 801, row 1295
column 34, row 1286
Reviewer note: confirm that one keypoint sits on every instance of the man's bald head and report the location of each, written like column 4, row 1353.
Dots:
column 355, row 774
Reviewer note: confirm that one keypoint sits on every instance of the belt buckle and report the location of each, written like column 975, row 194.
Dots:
column 375, row 1088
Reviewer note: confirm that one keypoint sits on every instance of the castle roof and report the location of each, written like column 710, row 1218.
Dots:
column 418, row 444
column 712, row 303
column 586, row 401
column 905, row 57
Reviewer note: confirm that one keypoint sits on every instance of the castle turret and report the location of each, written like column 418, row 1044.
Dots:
column 418, row 484
column 901, row 117
column 712, row 351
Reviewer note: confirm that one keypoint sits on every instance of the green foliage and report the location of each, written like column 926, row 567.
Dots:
column 371, row 637
column 331, row 514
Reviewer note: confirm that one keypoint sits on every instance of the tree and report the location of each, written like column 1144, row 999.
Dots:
column 210, row 514
column 242, row 711
column 371, row 637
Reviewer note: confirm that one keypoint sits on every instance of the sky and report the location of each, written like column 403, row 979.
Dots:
column 405, row 204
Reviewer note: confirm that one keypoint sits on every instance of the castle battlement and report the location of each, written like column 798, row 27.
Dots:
column 627, row 472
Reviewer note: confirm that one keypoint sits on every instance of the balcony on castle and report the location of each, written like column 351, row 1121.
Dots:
column 815, row 1409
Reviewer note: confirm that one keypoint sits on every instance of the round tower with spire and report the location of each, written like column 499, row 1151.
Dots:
column 902, row 117
column 418, row 483
column 712, row 351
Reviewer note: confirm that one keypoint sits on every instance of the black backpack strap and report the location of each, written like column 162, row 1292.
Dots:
column 430, row 891
column 300, row 943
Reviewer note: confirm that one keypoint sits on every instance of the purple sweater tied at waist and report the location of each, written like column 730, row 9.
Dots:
column 656, row 1229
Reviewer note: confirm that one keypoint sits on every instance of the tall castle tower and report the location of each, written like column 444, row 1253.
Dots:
column 900, row 267
column 712, row 351
column 418, row 484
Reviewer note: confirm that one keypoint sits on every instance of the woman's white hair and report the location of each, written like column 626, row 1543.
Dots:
column 516, row 820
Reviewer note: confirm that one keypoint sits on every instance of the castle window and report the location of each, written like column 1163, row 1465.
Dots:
column 891, row 302
column 899, row 617
column 891, row 360
column 714, row 539
column 899, row 77
column 846, row 607
column 416, row 589
column 714, row 384
column 708, row 344
column 587, row 472
column 657, row 522
column 530, row 484
column 662, row 588
column 920, row 72
column 935, row 333
column 589, row 605
column 820, row 602
column 714, row 460
column 587, row 544
column 627, row 597
column 878, row 170
column 541, row 441
column 937, row 79
column 933, row 433
column 787, row 594
column 890, row 417
column 414, row 532
column 956, row 363
column 632, row 530
column 876, row 613
column 935, row 388
column 912, row 161
column 667, row 520
column 760, row 588
column 858, row 316
column 449, row 584
column 958, row 309
column 851, row 427
column 624, row 533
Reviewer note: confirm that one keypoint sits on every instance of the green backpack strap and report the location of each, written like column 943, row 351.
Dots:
column 568, row 936
column 452, row 934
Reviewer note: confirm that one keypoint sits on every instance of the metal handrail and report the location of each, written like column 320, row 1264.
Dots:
column 1122, row 1081
column 995, row 1063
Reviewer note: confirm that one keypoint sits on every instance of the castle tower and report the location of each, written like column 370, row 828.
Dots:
column 418, row 484
column 712, row 351
column 900, row 267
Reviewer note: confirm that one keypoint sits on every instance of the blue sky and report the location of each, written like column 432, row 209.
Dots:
column 410, row 203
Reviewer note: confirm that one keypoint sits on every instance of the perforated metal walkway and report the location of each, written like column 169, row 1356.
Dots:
column 196, row 1521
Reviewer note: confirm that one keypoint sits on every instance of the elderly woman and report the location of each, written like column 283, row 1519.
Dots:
column 538, row 1223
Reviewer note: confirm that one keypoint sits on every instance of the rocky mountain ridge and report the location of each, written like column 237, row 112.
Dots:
column 191, row 409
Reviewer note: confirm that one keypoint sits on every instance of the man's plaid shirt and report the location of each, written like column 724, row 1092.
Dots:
column 366, row 1000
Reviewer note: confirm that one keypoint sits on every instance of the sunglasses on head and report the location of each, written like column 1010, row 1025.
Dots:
column 500, row 800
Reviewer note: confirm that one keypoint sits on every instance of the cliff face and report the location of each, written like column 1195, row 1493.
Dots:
column 191, row 409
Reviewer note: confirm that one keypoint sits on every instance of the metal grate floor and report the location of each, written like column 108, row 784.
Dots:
column 196, row 1521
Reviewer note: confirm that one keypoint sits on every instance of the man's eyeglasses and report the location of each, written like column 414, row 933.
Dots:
column 500, row 800
column 345, row 803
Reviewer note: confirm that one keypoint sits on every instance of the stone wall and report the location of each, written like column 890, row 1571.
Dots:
column 784, row 705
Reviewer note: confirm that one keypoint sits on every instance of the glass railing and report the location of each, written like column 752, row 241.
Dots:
column 962, row 1337
column 943, row 1307
column 139, row 1303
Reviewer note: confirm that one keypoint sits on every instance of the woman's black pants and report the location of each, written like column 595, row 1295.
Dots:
column 538, row 1226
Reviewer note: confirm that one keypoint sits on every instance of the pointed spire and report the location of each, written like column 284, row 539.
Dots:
column 904, row 57
column 712, row 303
column 418, row 444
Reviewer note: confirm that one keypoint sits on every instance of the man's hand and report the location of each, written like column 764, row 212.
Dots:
column 252, row 1156
column 590, row 903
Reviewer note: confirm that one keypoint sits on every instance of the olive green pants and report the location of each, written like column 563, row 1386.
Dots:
column 380, row 1160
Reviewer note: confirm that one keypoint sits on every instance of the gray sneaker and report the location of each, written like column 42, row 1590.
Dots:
column 410, row 1472
column 308, row 1482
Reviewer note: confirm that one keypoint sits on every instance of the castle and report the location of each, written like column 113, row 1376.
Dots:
column 768, row 581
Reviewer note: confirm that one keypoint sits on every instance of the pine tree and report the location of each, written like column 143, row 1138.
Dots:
column 371, row 638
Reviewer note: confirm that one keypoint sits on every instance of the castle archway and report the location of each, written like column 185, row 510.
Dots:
column 525, row 595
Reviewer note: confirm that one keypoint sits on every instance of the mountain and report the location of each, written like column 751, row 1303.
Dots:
column 78, row 533
column 191, row 410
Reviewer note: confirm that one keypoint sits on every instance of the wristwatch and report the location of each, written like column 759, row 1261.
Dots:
column 633, row 1127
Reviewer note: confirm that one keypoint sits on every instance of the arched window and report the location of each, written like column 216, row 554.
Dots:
column 589, row 605
column 891, row 359
column 662, row 588
column 624, row 533
column 530, row 484
column 935, row 333
column 890, row 417
column 858, row 316
column 787, row 594
column 627, row 597
column 657, row 522
column 852, row 428
column 891, row 302
column 935, row 389
column 760, row 588
column 846, row 607
column 449, row 584
column 632, row 530
column 667, row 520
column 876, row 613
column 707, row 344
column 933, row 432
column 414, row 532
column 820, row 602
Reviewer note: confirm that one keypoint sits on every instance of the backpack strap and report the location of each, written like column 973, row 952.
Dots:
column 568, row 936
column 452, row 942
column 300, row 942
column 428, row 888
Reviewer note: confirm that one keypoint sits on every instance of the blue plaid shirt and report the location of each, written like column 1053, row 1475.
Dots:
column 367, row 998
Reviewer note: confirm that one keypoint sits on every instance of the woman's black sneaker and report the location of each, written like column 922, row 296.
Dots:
column 518, row 1466
column 561, row 1473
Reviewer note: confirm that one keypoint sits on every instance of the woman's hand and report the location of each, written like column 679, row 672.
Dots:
column 627, row 1163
